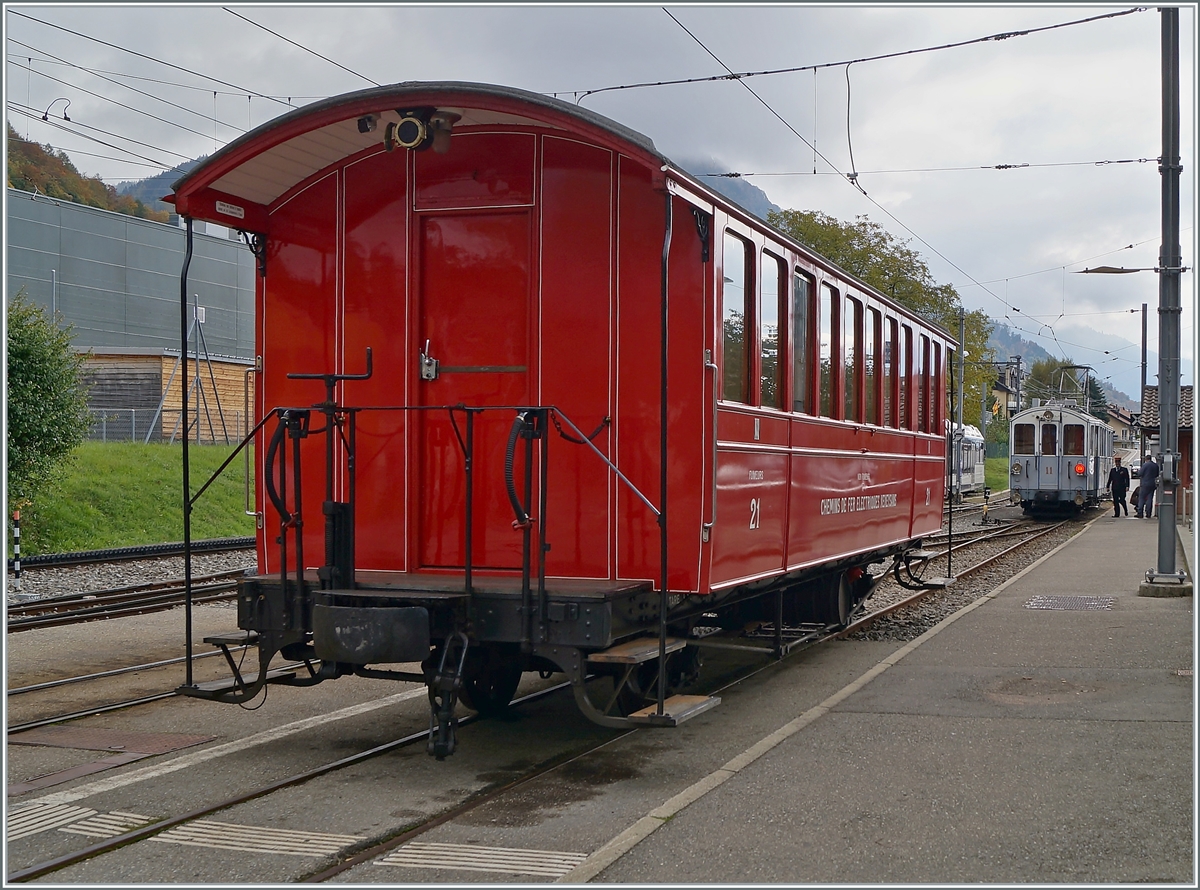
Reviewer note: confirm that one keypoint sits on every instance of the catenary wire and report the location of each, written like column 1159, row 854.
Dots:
column 56, row 60
column 241, row 90
column 301, row 46
column 123, row 105
column 1004, row 35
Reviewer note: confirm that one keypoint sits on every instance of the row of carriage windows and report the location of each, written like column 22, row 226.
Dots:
column 849, row 360
column 1025, row 436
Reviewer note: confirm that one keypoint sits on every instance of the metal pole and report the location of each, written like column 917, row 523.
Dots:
column 962, row 385
column 1018, row 387
column 1142, row 395
column 1170, row 259
column 187, row 483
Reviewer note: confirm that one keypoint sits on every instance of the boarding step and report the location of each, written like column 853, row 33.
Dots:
column 921, row 555
column 676, row 709
column 635, row 651
column 938, row 582
column 234, row 638
column 213, row 688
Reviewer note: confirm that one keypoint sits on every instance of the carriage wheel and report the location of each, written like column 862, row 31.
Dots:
column 835, row 601
column 490, row 678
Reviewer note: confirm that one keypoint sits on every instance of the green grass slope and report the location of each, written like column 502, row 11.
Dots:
column 124, row 494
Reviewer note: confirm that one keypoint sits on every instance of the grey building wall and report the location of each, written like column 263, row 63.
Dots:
column 115, row 278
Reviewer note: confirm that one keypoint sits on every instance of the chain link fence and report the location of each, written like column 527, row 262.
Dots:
column 148, row 424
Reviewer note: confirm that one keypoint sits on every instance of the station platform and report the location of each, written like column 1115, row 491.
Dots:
column 1043, row 734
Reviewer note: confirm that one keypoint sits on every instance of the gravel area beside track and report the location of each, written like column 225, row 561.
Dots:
column 908, row 624
column 37, row 583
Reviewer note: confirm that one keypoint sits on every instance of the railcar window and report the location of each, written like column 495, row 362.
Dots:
column 890, row 365
column 1073, row 440
column 851, row 355
column 1023, row 438
column 801, row 361
column 935, row 380
column 771, row 384
column 825, row 345
column 903, row 372
column 922, row 375
column 870, row 349
column 1049, row 439
column 735, row 357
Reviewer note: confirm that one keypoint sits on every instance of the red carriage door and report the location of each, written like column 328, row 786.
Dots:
column 473, row 305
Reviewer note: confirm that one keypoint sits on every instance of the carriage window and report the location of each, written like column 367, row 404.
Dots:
column 1023, row 438
column 890, row 364
column 851, row 315
column 870, row 344
column 935, row 378
column 922, row 383
column 903, row 373
column 1073, row 438
column 735, row 357
column 801, row 363
column 1049, row 439
column 825, row 347
column 768, row 331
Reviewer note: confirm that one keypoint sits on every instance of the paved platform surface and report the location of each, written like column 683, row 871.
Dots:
column 1010, row 744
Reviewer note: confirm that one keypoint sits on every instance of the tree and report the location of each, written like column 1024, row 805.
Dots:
column 873, row 255
column 47, row 401
column 32, row 167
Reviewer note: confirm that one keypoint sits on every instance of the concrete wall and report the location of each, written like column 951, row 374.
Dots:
column 116, row 278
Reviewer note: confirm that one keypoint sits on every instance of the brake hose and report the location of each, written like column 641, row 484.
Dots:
column 522, row 520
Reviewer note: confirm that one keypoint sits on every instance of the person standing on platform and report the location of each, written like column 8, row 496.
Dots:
column 1148, row 477
column 1118, row 484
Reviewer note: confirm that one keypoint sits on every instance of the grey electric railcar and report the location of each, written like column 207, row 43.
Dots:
column 1061, row 456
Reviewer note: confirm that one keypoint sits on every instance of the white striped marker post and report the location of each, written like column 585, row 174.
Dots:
column 17, row 551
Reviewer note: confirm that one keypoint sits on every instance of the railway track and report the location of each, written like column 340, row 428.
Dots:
column 358, row 854
column 120, row 554
column 120, row 602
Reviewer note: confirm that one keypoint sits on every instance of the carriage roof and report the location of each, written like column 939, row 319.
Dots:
column 238, row 185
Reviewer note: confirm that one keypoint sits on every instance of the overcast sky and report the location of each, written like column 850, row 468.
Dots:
column 925, row 132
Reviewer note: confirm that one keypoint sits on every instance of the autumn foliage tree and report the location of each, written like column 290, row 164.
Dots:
column 873, row 255
column 34, row 167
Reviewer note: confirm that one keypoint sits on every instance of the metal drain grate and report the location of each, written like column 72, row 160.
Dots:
column 468, row 857
column 107, row 739
column 1071, row 603
column 254, row 839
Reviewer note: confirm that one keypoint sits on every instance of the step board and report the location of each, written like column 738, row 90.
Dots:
column 203, row 690
column 938, row 582
column 676, row 709
column 233, row 638
column 635, row 651
column 919, row 555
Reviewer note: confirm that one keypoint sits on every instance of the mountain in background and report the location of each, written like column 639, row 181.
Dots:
column 1007, row 344
column 150, row 190
column 749, row 197
column 42, row 170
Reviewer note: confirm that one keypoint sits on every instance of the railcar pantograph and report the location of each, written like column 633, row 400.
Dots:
column 532, row 398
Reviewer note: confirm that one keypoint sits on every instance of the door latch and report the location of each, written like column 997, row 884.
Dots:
column 427, row 365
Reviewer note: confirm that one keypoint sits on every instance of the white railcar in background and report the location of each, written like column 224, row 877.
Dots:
column 1061, row 456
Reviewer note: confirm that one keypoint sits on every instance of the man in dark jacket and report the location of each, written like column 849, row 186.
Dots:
column 1118, row 484
column 1148, row 478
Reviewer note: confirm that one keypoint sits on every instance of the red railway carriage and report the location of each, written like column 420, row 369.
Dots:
column 516, row 369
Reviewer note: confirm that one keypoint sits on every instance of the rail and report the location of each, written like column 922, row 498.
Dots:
column 124, row 554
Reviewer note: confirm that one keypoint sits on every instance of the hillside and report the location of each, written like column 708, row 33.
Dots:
column 1006, row 344
column 34, row 168
column 151, row 189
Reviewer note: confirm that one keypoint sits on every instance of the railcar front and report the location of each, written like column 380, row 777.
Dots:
column 533, row 399
column 1061, row 457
